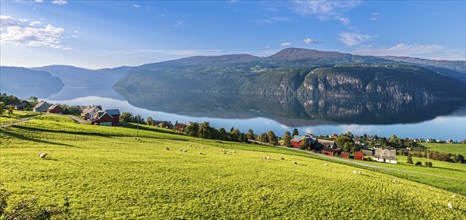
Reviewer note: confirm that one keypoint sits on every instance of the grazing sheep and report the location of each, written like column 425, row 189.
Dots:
column 167, row 148
column 325, row 164
column 267, row 157
column 394, row 180
column 42, row 155
column 224, row 152
column 354, row 171
column 359, row 172
column 294, row 162
column 234, row 152
column 450, row 205
column 281, row 158
column 185, row 151
column 200, row 153
column 453, row 195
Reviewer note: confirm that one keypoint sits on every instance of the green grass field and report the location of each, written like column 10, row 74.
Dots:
column 447, row 148
column 108, row 174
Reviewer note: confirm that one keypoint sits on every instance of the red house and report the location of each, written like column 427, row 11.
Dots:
column 345, row 155
column 57, row 109
column 359, row 155
column 104, row 119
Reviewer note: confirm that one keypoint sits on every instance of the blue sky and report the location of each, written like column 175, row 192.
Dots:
column 98, row 34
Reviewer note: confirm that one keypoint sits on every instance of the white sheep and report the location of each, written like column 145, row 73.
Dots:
column 454, row 195
column 42, row 155
column 200, row 153
column 359, row 172
column 234, row 152
column 267, row 157
column 394, row 180
column 354, row 171
column 450, row 205
column 325, row 164
column 294, row 162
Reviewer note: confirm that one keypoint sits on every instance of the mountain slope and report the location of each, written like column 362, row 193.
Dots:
column 24, row 82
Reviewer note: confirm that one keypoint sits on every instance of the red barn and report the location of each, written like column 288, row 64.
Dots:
column 298, row 140
column 57, row 109
column 345, row 155
column 359, row 155
column 104, row 119
column 331, row 151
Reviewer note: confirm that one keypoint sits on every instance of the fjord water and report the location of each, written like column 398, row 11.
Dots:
column 404, row 118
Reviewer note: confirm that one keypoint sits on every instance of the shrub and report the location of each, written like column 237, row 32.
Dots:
column 419, row 163
column 428, row 164
column 410, row 159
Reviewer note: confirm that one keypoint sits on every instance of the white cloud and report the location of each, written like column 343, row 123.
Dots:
column 136, row 6
column 59, row 2
column 39, row 1
column 351, row 39
column 310, row 41
column 285, row 44
column 34, row 23
column 326, row 9
column 428, row 51
column 18, row 32
column 374, row 16
column 179, row 24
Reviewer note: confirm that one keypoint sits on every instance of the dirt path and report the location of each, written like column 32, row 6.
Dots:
column 22, row 120
column 369, row 165
column 77, row 119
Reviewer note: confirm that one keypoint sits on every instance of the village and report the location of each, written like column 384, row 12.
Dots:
column 347, row 146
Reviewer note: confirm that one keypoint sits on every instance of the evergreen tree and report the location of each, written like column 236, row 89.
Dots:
column 192, row 129
column 272, row 138
column 287, row 139
column 250, row 134
column 222, row 134
column 295, row 132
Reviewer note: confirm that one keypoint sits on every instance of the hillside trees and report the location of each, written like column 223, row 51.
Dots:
column 287, row 139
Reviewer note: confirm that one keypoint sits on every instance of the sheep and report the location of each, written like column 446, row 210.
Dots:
column 325, row 164
column 224, row 152
column 185, row 151
column 453, row 195
column 394, row 180
column 234, row 152
column 281, row 158
column 200, row 153
column 294, row 162
column 354, row 171
column 267, row 158
column 42, row 155
column 359, row 172
column 450, row 205
column 167, row 148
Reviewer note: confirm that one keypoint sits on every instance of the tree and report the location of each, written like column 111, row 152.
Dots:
column 33, row 100
column 272, row 138
column 305, row 144
column 235, row 134
column 150, row 121
column 287, row 139
column 162, row 124
column 192, row 129
column 126, row 117
column 222, row 134
column 347, row 147
column 295, row 132
column 263, row 138
column 2, row 106
column 342, row 139
column 138, row 119
column 410, row 159
column 250, row 134
column 204, row 130
column 10, row 109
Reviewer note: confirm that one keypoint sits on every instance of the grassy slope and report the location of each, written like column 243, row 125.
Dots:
column 447, row 148
column 107, row 173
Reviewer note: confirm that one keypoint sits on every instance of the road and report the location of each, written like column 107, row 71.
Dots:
column 77, row 119
column 22, row 120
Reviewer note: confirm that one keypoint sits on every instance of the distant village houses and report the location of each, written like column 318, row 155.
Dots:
column 297, row 140
column 109, row 117
column 384, row 155
column 41, row 107
column 55, row 108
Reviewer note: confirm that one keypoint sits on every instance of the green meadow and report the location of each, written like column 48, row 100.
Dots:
column 152, row 173
column 447, row 148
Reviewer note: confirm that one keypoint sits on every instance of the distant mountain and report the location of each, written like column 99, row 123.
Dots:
column 457, row 65
column 81, row 77
column 298, row 72
column 24, row 82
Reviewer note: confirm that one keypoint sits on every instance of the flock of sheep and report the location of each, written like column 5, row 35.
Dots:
column 44, row 155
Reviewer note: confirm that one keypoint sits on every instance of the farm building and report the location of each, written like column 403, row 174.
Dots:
column 321, row 143
column 113, row 113
column 20, row 107
column 359, row 155
column 41, row 107
column 179, row 127
column 345, row 155
column 297, row 140
column 89, row 112
column 104, row 119
column 331, row 151
column 368, row 152
column 384, row 155
column 55, row 108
